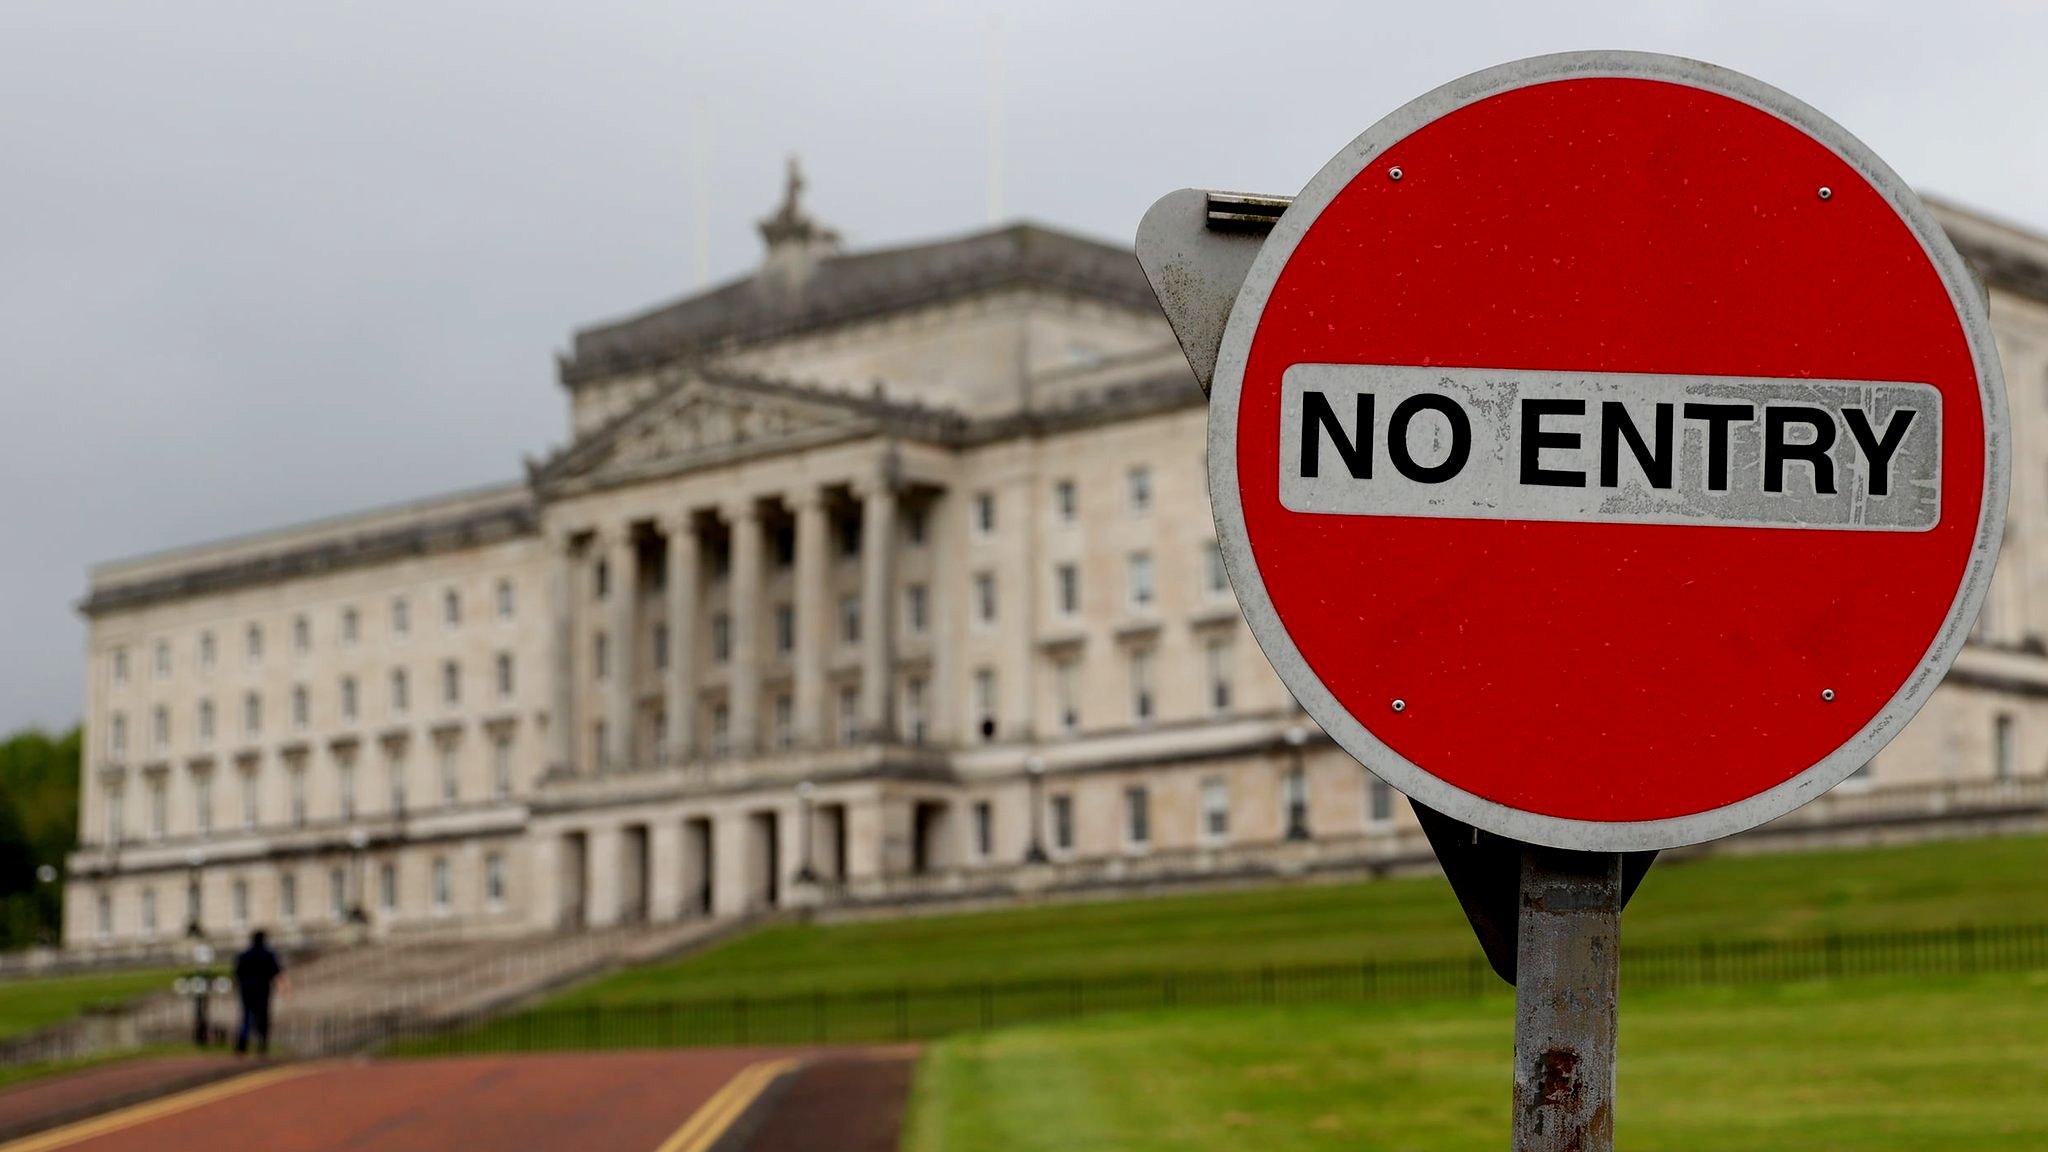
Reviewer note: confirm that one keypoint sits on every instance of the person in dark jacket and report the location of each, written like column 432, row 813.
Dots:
column 257, row 973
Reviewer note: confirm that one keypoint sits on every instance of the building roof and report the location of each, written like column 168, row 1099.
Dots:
column 838, row 288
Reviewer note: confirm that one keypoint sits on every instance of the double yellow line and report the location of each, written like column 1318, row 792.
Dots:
column 709, row 1122
column 143, row 1113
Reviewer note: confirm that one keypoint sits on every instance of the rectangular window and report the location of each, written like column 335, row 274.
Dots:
column 1066, row 582
column 849, row 715
column 1137, row 816
column 721, row 730
column 208, row 650
column 120, row 665
column 451, row 683
column 1294, row 803
column 117, row 824
column 600, row 748
column 600, row 580
column 394, row 775
column 1066, row 695
column 158, row 806
column 1138, row 581
column 239, row 902
column 349, row 702
column 600, row 655
column 1379, row 800
column 1215, row 808
column 302, row 635
column 450, row 772
column 387, row 887
column 401, row 692
column 252, row 796
column 163, row 659
column 117, row 734
column 985, row 703
column 1066, row 501
column 443, row 885
column 985, row 598
column 1138, row 489
column 206, row 721
column 2004, row 747
column 984, row 513
column 721, row 637
column 149, row 911
column 253, row 643
column 345, row 788
column 507, row 600
column 984, row 829
column 295, row 782
column 849, row 619
column 914, row 720
column 302, row 708
column 916, row 525
column 494, row 880
column 202, row 802
column 917, row 608
column 451, row 607
column 351, row 626
column 505, row 681
column 1216, row 665
column 252, row 714
column 103, row 909
column 1215, row 577
column 160, row 728
column 1062, row 823
column 501, row 765
column 288, row 898
column 1143, row 705
column 401, row 616
column 337, row 894
column 785, row 628
column 784, row 720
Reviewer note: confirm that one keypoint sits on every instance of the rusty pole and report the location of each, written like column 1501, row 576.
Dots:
column 1568, row 968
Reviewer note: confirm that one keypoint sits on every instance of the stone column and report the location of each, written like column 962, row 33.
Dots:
column 681, row 688
column 877, row 626
column 622, row 625
column 562, row 711
column 664, row 870
column 813, row 547
column 744, row 681
column 601, row 877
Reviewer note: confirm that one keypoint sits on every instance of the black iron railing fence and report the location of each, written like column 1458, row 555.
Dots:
column 916, row 1012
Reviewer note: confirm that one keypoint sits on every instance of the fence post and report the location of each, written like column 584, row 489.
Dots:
column 1834, row 955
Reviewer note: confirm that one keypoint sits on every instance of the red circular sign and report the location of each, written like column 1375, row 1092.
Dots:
column 1609, row 451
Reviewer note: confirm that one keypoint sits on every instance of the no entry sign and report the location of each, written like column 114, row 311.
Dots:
column 1609, row 451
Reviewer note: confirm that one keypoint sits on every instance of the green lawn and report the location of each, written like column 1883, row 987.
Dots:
column 1871, row 1065
column 1922, row 886
column 38, row 1001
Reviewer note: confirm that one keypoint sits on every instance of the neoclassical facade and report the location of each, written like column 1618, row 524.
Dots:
column 869, row 576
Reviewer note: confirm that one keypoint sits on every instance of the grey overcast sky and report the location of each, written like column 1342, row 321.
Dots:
column 266, row 261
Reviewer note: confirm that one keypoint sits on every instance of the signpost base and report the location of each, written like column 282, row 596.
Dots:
column 1568, row 968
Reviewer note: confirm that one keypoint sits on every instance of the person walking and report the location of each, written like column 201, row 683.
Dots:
column 257, row 973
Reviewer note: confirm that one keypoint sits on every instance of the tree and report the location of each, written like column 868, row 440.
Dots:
column 39, row 777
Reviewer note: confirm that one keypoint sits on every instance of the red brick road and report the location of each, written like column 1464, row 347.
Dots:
column 587, row 1102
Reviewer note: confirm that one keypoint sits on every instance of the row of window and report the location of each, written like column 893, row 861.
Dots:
column 1212, row 819
column 348, row 629
column 448, row 777
column 348, row 702
column 341, row 899
column 1066, row 500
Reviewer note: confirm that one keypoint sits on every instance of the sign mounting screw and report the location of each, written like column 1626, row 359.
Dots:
column 1400, row 705
column 1826, row 192
column 1394, row 173
column 1827, row 693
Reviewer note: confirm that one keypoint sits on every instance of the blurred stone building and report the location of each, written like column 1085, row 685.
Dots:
column 873, row 576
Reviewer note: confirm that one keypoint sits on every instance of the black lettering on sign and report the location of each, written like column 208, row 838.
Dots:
column 1397, row 438
column 1624, row 448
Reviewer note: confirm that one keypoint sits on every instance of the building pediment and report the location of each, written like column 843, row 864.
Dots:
column 712, row 418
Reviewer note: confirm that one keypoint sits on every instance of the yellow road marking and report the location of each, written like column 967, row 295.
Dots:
column 154, row 1109
column 710, row 1121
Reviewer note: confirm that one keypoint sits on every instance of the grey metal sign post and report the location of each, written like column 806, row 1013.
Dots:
column 1544, row 892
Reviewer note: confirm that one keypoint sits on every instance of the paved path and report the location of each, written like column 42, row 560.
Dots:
column 682, row 1101
column 47, row 1101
